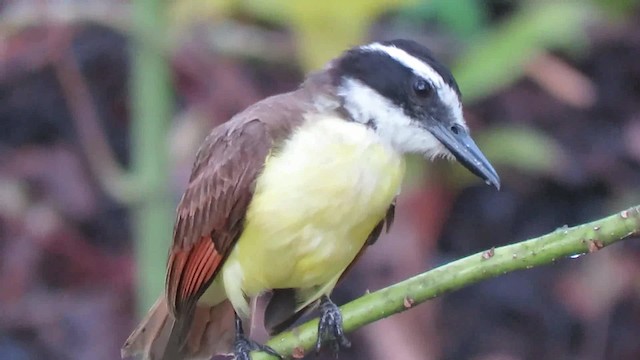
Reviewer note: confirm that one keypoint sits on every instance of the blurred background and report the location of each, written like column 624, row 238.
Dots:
column 103, row 104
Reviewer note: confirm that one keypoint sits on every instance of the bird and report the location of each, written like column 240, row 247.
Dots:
column 285, row 196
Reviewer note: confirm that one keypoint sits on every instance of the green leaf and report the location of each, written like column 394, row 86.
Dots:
column 524, row 149
column 521, row 148
column 323, row 28
column 498, row 58
column 465, row 18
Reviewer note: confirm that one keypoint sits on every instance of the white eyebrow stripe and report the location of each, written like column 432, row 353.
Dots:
column 447, row 94
column 413, row 63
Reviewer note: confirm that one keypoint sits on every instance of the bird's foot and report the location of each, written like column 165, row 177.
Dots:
column 330, row 327
column 243, row 346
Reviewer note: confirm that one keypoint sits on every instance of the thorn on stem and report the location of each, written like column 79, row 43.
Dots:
column 595, row 245
column 489, row 253
column 298, row 352
column 408, row 302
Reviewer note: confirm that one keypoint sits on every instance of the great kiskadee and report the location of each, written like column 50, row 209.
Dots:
column 286, row 195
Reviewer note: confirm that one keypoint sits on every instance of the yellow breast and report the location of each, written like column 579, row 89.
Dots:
column 315, row 203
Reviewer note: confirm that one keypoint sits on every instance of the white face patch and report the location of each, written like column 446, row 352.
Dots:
column 447, row 94
column 391, row 123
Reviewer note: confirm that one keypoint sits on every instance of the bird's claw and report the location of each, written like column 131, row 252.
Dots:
column 243, row 346
column 330, row 327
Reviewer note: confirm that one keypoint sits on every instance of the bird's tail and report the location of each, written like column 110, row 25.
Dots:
column 210, row 332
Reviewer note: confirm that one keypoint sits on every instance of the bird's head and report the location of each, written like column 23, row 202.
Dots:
column 410, row 99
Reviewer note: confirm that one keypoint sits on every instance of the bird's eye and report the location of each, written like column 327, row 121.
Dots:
column 422, row 88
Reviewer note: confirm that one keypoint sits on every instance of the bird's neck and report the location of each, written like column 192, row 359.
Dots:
column 322, row 92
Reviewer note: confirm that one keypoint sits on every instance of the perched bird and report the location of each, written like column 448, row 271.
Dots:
column 287, row 194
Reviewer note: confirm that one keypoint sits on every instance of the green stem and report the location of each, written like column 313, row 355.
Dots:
column 543, row 250
column 152, row 110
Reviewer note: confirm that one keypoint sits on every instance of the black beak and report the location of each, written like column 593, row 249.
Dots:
column 457, row 140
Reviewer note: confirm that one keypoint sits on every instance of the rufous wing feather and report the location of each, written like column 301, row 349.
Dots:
column 211, row 212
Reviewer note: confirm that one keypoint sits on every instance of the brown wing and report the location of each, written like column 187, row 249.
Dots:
column 211, row 212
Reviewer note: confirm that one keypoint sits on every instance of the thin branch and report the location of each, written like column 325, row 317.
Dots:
column 108, row 172
column 562, row 243
column 561, row 80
